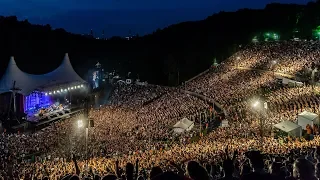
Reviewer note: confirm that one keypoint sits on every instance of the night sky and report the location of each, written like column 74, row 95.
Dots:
column 118, row 17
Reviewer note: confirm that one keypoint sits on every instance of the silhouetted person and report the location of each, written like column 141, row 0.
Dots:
column 303, row 169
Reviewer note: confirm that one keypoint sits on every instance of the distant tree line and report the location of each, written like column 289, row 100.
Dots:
column 168, row 56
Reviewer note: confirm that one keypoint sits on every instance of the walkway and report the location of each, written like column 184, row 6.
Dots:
column 206, row 99
column 252, row 69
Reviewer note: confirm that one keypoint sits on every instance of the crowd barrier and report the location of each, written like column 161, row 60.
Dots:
column 200, row 74
column 207, row 99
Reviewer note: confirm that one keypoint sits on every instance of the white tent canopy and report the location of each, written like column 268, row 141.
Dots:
column 183, row 125
column 306, row 117
column 289, row 127
column 29, row 82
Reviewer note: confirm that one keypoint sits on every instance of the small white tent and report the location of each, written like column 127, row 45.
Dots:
column 289, row 127
column 183, row 125
column 306, row 117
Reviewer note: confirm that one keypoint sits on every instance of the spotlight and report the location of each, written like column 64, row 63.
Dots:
column 50, row 93
column 68, row 88
column 54, row 92
column 46, row 94
column 80, row 124
column 71, row 87
column 256, row 104
column 78, row 86
column 65, row 90
column 61, row 90
column 58, row 91
column 81, row 85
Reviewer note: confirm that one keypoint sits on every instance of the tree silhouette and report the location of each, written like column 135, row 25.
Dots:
column 187, row 48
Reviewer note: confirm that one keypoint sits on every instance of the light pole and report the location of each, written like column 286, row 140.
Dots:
column 87, row 132
column 80, row 126
column 312, row 77
column 257, row 105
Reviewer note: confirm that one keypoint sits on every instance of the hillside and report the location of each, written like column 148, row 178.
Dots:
column 188, row 47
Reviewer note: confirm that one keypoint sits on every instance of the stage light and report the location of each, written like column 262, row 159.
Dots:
column 58, row 91
column 54, row 92
column 46, row 94
column 78, row 86
column 71, row 87
column 65, row 90
column 50, row 93
column 68, row 88
column 81, row 85
column 61, row 90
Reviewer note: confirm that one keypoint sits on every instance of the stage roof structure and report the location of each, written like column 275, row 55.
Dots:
column 64, row 74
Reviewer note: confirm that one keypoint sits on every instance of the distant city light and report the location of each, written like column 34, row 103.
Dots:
column 254, row 39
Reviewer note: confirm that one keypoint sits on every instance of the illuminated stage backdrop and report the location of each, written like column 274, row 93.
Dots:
column 36, row 100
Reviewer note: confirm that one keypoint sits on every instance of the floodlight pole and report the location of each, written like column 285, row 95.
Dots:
column 14, row 90
column 87, row 124
column 262, row 113
column 261, row 131
column 87, row 134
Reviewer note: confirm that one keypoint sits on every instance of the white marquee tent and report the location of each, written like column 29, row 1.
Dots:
column 306, row 117
column 183, row 125
column 289, row 127
column 64, row 74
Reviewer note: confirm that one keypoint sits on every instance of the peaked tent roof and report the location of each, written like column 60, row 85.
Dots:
column 62, row 75
column 287, row 126
column 30, row 82
column 308, row 115
column 183, row 124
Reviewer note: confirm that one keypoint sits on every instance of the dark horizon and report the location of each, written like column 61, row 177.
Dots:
column 118, row 18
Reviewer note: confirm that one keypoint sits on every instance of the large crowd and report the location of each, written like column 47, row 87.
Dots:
column 133, row 137
column 287, row 57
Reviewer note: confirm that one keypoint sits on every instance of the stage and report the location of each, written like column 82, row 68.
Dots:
column 32, row 126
